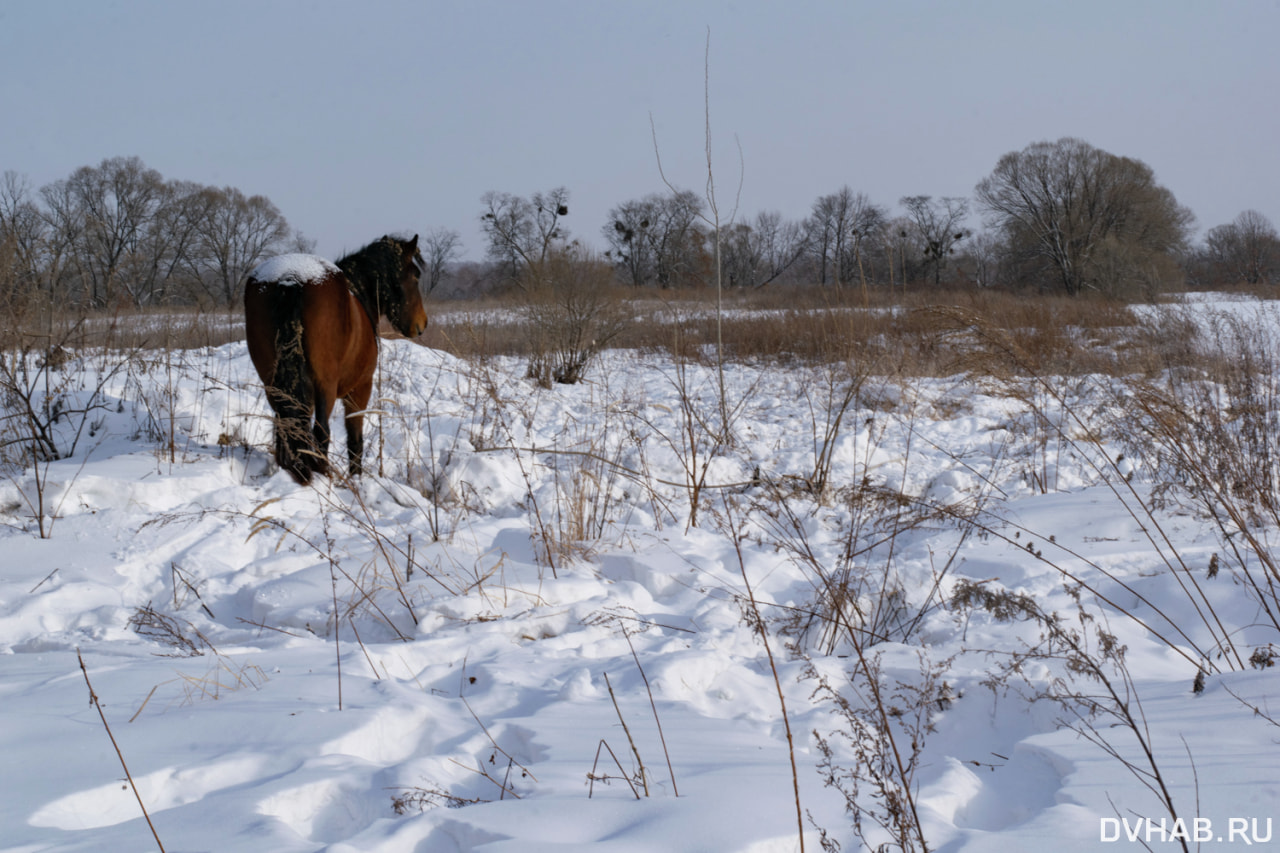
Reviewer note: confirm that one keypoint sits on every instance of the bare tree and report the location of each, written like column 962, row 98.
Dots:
column 22, row 234
column 757, row 254
column 118, row 199
column 939, row 225
column 233, row 233
column 1093, row 220
column 1246, row 249
column 166, row 245
column 440, row 247
column 657, row 240
column 522, row 232
column 839, row 227
column 64, row 221
column 901, row 242
column 629, row 237
column 301, row 243
column 984, row 252
column 716, row 225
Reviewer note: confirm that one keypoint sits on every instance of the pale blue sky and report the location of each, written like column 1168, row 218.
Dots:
column 362, row 118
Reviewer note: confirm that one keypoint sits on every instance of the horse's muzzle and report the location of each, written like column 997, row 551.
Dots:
column 417, row 325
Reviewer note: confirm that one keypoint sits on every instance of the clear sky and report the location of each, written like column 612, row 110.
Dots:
column 359, row 118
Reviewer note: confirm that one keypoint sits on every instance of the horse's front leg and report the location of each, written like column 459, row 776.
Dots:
column 353, row 406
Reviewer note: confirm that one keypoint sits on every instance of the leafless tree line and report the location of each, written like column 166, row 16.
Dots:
column 119, row 235
column 846, row 241
column 1245, row 250
column 663, row 240
column 1058, row 216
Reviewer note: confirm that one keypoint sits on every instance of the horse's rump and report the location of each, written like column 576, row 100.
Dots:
column 274, row 332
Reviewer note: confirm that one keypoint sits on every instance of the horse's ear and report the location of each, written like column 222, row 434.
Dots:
column 413, row 244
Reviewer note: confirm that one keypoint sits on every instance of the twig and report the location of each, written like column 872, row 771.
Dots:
column 482, row 772
column 773, row 667
column 352, row 619
column 644, row 776
column 178, row 574
column 507, row 755
column 93, row 700
column 337, row 616
column 144, row 703
column 42, row 583
column 266, row 626
column 592, row 777
column 611, row 614
column 654, row 706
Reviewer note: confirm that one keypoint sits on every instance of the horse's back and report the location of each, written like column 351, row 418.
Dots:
column 307, row 300
column 276, row 297
column 294, row 269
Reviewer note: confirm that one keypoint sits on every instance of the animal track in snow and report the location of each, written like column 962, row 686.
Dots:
column 391, row 735
column 324, row 810
column 113, row 803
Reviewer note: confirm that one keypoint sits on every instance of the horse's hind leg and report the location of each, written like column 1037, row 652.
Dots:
column 353, row 407
column 320, row 449
column 293, row 437
column 291, row 393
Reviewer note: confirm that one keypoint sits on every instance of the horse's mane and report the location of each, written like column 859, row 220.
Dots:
column 372, row 245
column 374, row 273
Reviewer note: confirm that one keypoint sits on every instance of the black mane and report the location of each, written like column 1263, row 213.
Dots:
column 374, row 273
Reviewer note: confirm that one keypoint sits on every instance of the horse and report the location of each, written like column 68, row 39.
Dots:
column 312, row 330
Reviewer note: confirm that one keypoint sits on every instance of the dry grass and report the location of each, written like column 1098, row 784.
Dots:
column 914, row 332
column 35, row 324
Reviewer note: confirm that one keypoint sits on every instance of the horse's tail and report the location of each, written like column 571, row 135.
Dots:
column 292, row 392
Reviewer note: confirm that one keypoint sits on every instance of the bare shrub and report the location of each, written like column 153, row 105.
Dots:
column 1210, row 439
column 51, row 399
column 1089, row 679
column 185, row 639
column 997, row 356
column 418, row 799
column 873, row 759
column 590, row 478
column 573, row 314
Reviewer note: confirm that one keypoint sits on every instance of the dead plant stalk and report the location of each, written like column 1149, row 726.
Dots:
column 93, row 700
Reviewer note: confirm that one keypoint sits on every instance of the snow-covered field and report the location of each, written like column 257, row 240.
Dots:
column 519, row 576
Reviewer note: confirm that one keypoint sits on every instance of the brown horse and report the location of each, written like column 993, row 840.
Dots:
column 312, row 330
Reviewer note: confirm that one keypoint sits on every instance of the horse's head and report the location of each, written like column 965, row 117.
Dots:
column 384, row 276
column 409, row 316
